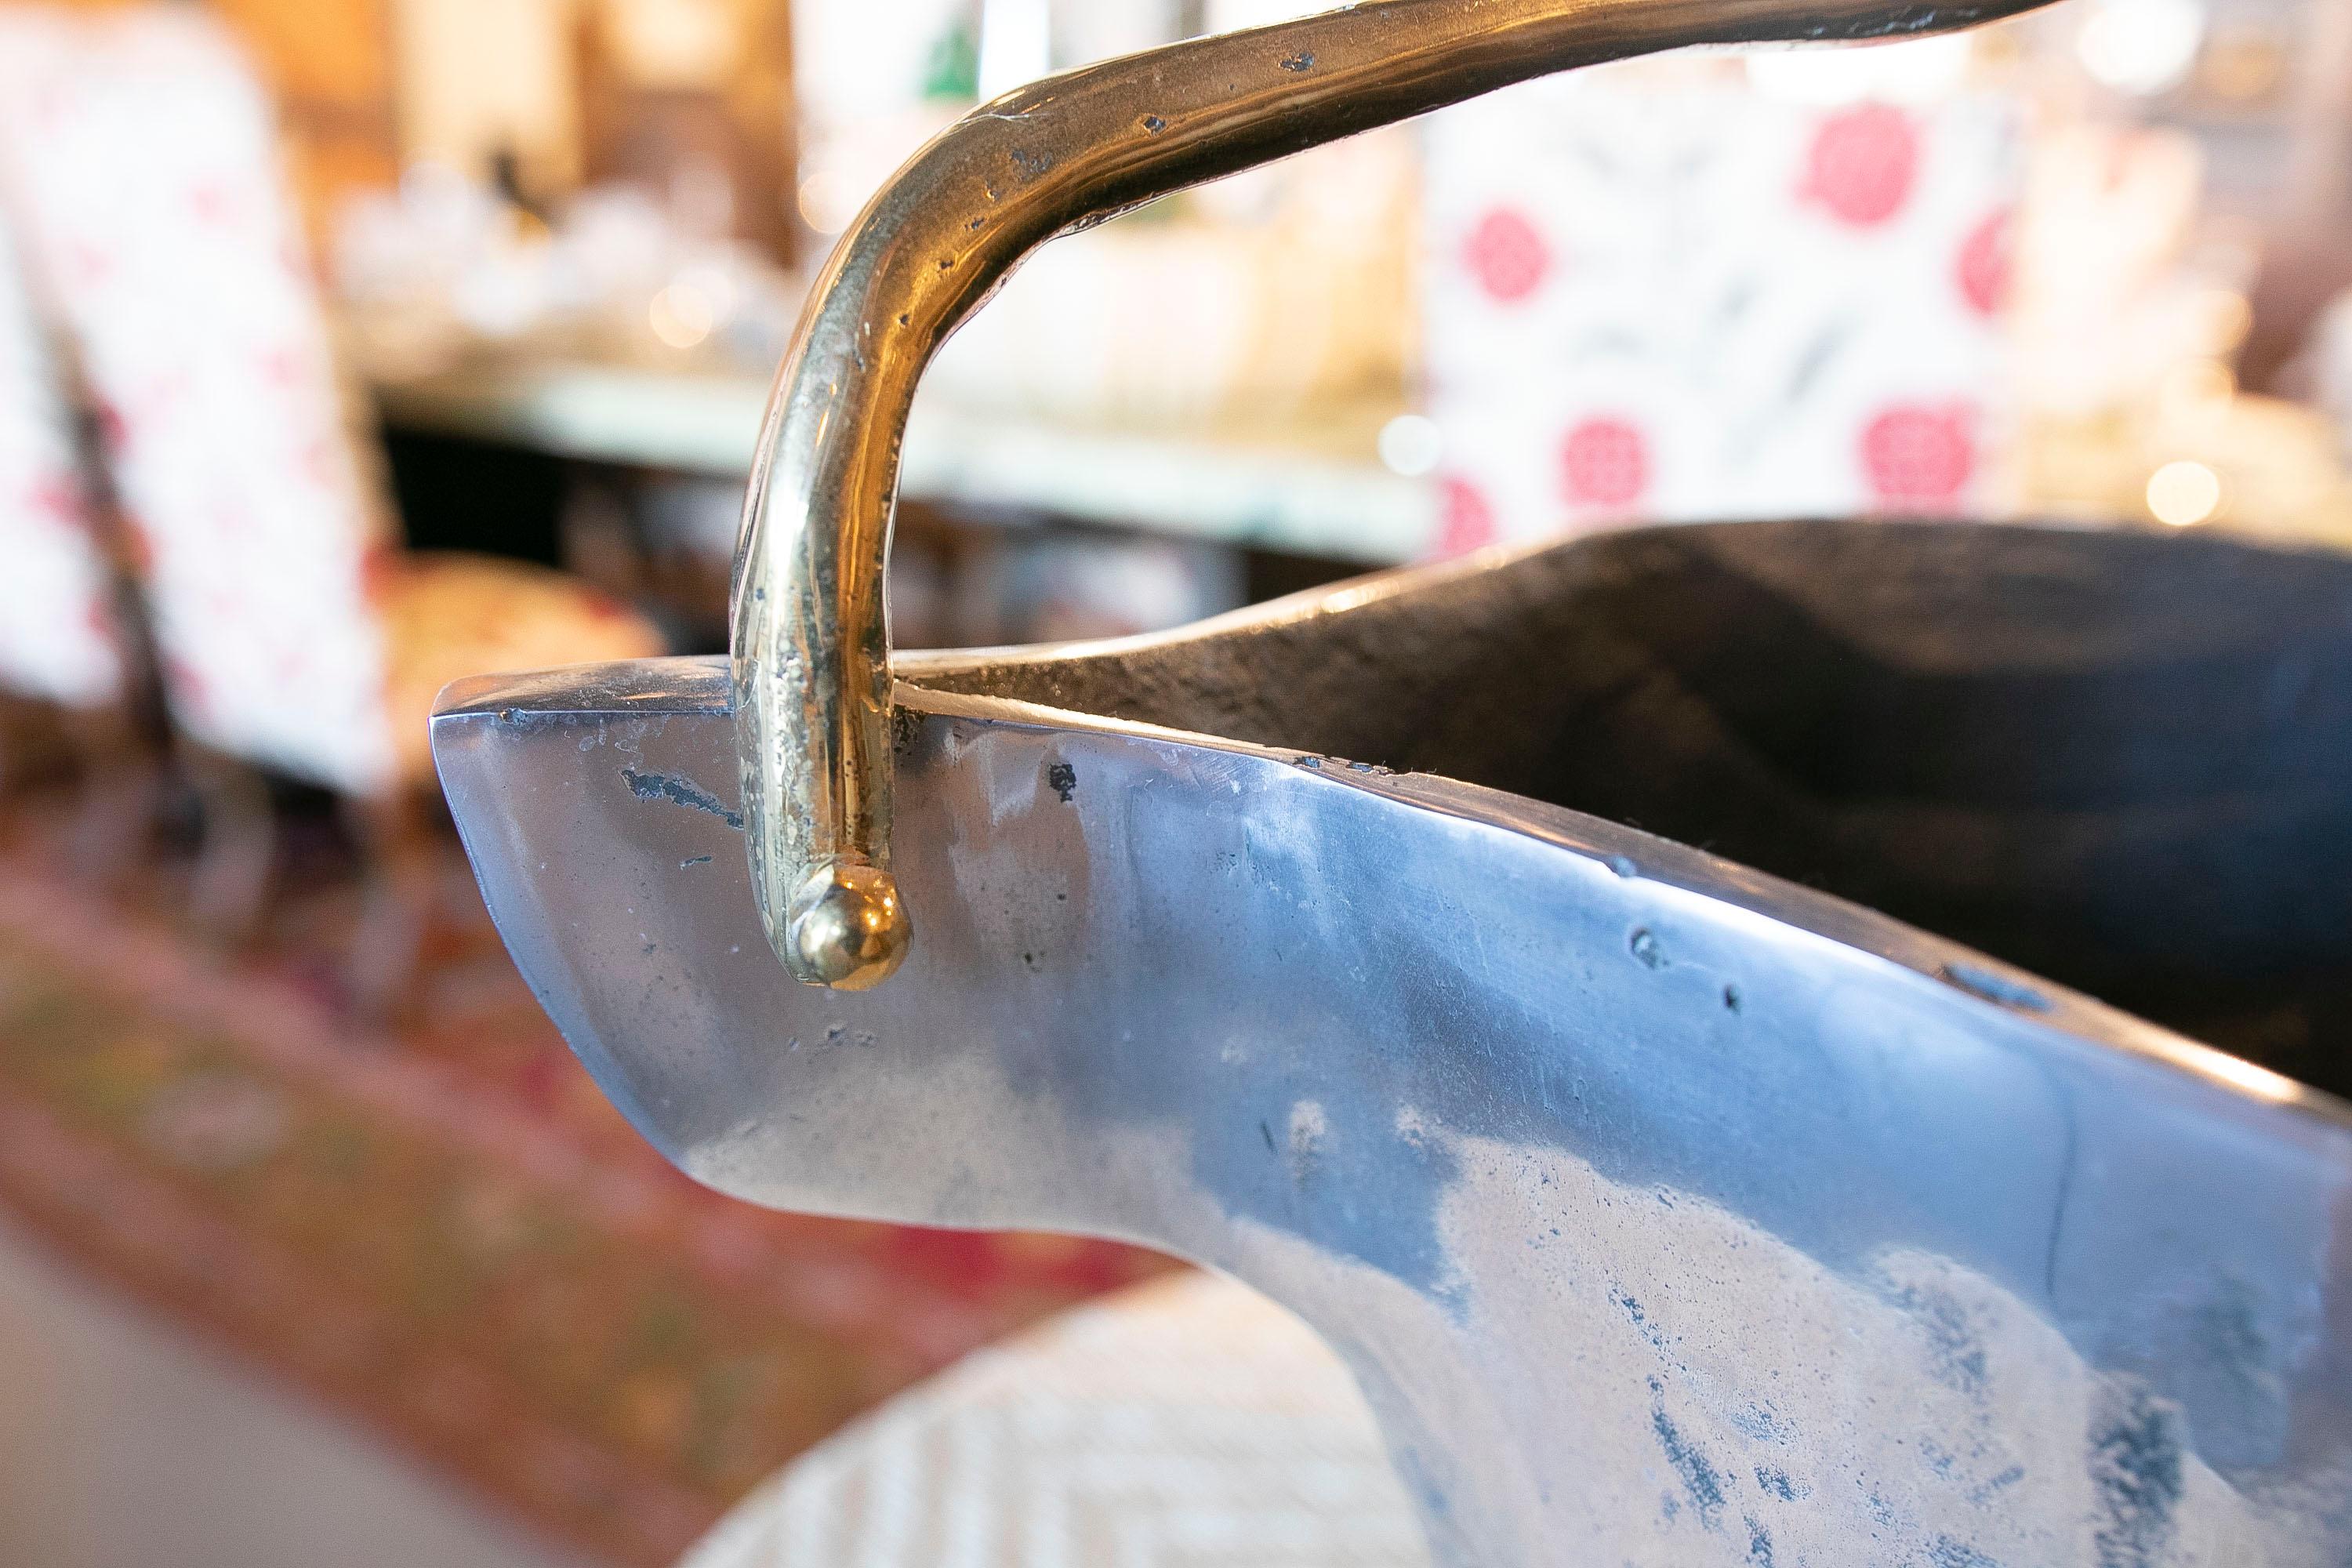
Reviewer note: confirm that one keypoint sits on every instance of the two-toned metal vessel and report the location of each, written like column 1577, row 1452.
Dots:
column 1634, row 998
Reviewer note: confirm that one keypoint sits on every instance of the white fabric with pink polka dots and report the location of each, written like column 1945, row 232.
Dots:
column 57, row 632
column 1656, row 294
column 140, row 157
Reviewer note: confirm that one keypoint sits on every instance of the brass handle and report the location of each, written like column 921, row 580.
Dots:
column 812, row 641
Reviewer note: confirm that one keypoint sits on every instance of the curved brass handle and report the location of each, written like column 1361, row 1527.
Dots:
column 811, row 644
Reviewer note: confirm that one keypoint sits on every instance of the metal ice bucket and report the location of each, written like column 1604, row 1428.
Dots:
column 1635, row 999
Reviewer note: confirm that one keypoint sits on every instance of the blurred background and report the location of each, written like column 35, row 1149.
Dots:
column 348, row 346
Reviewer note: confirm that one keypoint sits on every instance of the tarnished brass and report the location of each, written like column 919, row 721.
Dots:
column 812, row 646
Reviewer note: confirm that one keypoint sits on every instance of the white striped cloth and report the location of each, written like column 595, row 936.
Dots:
column 1188, row 1422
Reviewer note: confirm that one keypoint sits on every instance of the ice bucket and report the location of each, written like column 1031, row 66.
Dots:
column 1765, row 1044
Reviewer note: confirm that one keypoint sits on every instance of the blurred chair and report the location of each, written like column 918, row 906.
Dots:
column 294, row 635
column 62, row 669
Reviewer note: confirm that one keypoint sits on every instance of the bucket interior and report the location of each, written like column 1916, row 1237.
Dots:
column 2121, row 760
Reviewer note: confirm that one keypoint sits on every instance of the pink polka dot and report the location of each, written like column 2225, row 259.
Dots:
column 212, row 205
column 1506, row 255
column 1468, row 522
column 1983, row 266
column 57, row 500
column 88, row 265
column 323, row 460
column 1916, row 456
column 116, row 430
column 1863, row 163
column 1604, row 463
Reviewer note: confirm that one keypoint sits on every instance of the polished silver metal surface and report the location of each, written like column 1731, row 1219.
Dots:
column 1668, row 1211
column 812, row 643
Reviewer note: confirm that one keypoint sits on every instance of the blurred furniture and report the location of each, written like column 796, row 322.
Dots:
column 329, row 67
column 693, row 98
column 66, row 706
column 1314, row 484
column 2128, row 328
column 294, row 635
column 57, row 642
column 1187, row 1420
column 870, row 84
column 478, row 83
column 1249, row 302
column 57, row 638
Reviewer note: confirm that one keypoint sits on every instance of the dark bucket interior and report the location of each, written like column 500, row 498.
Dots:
column 2122, row 760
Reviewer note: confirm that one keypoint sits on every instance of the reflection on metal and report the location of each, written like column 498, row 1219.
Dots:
column 811, row 666
column 1668, row 1211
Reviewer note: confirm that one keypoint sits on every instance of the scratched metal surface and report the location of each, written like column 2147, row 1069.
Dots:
column 1667, row 1213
